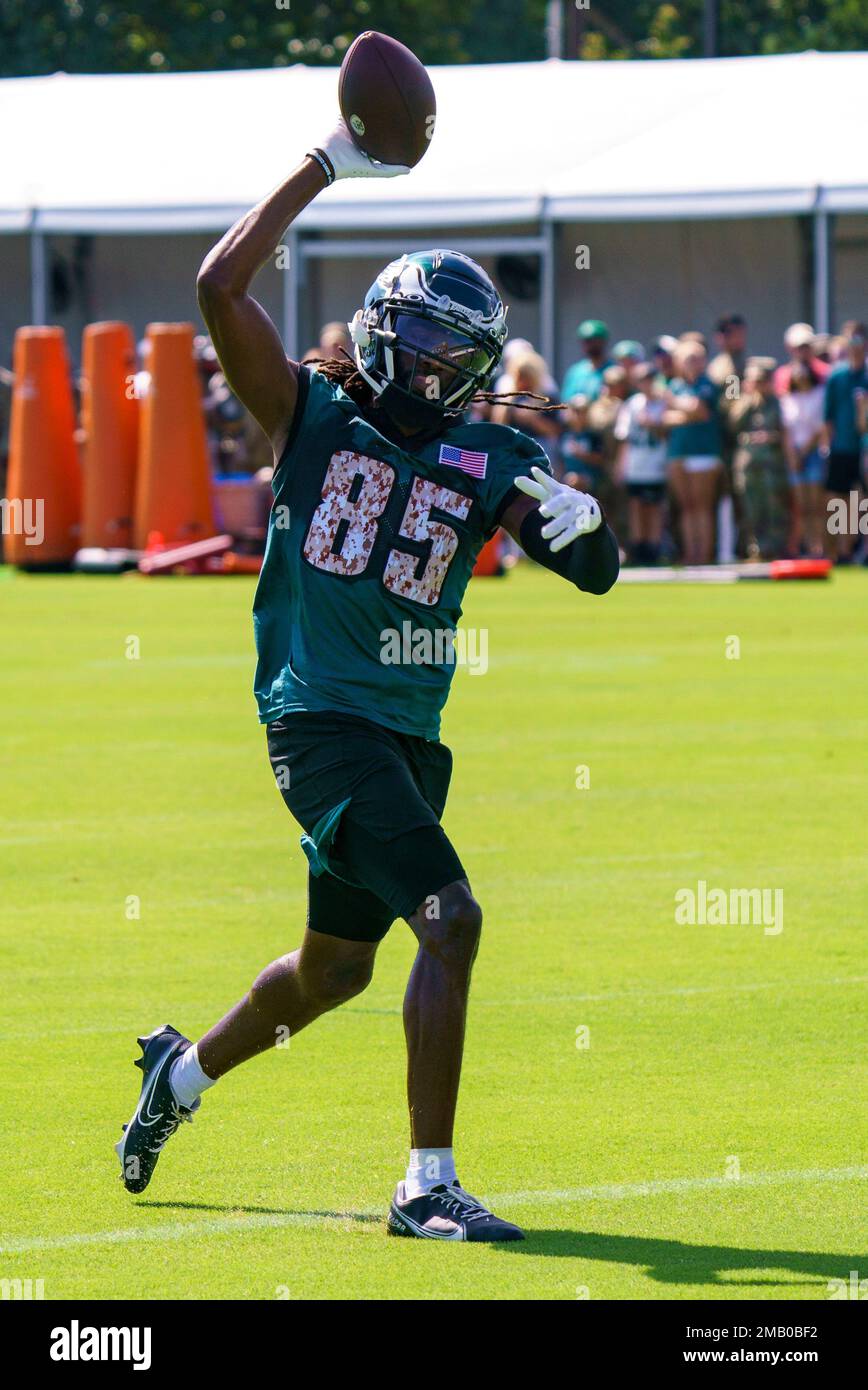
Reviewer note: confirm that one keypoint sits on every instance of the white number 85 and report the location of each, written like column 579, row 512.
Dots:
column 343, row 529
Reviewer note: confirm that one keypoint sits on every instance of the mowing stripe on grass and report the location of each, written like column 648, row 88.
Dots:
column 619, row 1191
column 252, row 1221
column 678, row 992
column 532, row 1001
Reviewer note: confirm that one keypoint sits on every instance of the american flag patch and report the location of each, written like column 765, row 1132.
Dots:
column 466, row 459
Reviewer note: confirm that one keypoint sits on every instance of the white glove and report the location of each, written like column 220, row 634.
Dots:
column 573, row 513
column 349, row 162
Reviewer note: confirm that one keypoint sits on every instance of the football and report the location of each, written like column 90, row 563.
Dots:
column 387, row 99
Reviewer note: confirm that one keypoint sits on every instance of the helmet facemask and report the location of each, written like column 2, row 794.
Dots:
column 425, row 357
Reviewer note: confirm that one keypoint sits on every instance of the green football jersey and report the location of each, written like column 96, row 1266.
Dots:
column 370, row 549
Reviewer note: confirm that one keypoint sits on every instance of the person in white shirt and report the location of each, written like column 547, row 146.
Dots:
column 802, row 412
column 641, row 464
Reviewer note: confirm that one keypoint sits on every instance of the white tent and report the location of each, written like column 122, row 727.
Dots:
column 186, row 150
column 532, row 144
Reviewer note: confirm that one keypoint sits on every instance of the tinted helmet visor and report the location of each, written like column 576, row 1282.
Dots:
column 435, row 361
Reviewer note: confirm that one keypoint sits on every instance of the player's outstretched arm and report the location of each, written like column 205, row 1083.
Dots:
column 247, row 343
column 565, row 531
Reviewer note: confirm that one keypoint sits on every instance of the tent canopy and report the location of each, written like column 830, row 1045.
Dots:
column 729, row 137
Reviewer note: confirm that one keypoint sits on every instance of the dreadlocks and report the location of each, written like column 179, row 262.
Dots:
column 342, row 371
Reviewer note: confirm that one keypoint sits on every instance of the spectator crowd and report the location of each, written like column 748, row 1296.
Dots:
column 694, row 455
column 699, row 455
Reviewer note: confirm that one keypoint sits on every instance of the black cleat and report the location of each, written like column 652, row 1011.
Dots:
column 447, row 1213
column 157, row 1114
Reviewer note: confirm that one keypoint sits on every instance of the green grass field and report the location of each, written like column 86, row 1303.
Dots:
column 713, row 1051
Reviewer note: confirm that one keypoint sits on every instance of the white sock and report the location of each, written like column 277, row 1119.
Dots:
column 428, row 1168
column 187, row 1078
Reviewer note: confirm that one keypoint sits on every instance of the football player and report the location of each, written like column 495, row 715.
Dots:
column 383, row 496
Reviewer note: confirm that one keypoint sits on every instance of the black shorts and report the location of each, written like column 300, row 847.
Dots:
column 647, row 492
column 369, row 800
column 844, row 473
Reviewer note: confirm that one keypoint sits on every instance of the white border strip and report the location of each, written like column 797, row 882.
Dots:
column 254, row 1221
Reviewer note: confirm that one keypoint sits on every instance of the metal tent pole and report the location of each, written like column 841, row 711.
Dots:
column 822, row 270
column 291, row 280
column 711, row 28
column 548, row 294
column 38, row 276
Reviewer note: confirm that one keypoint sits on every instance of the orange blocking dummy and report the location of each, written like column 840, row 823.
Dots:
column 173, row 485
column 42, row 515
column 110, row 423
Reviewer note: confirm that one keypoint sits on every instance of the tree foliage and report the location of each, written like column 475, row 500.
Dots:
column 669, row 29
column 44, row 36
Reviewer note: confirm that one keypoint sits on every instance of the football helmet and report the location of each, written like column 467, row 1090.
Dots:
column 429, row 337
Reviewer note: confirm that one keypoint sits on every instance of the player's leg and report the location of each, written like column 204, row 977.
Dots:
column 346, row 922
column 284, row 998
column 407, row 870
column 431, row 1203
column 447, row 927
column 417, row 872
column 333, row 964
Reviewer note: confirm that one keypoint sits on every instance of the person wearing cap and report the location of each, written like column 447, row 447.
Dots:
column 802, row 410
column 729, row 364
column 800, row 341
column 845, row 387
column 641, row 463
column 585, row 377
column 694, row 449
column 628, row 354
column 759, row 467
column 661, row 355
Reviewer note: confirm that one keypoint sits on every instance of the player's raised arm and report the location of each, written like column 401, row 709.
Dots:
column 564, row 530
column 247, row 343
